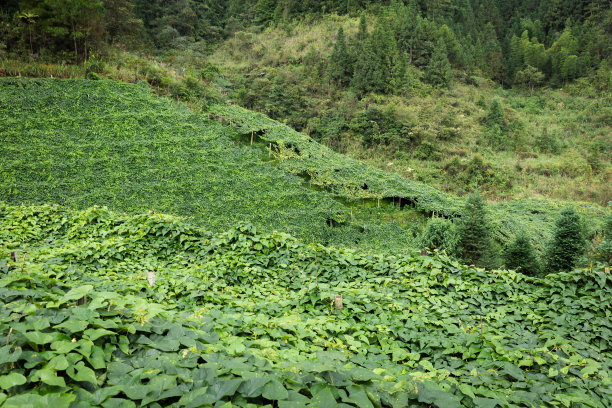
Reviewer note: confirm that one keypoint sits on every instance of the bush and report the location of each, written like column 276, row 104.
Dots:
column 439, row 234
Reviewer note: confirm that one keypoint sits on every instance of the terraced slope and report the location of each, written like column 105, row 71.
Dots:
column 247, row 317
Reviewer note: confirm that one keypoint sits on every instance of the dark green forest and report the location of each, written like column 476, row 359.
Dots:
column 512, row 42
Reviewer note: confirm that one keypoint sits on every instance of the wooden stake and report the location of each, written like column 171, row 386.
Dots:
column 338, row 302
column 82, row 301
column 607, row 269
column 8, row 338
column 151, row 278
column 14, row 256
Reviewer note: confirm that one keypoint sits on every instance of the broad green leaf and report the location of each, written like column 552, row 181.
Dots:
column 80, row 372
column 11, row 380
column 432, row 394
column 76, row 293
column 39, row 338
column 48, row 376
column 275, row 391
column 324, row 398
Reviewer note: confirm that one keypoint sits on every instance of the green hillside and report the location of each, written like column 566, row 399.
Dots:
column 83, row 143
column 248, row 317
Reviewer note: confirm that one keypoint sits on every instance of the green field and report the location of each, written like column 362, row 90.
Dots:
column 241, row 318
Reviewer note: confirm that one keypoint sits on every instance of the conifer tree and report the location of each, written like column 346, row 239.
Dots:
column 362, row 34
column 365, row 69
column 521, row 256
column 340, row 66
column 475, row 245
column 438, row 70
column 567, row 243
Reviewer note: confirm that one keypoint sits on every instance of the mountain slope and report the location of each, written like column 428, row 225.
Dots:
column 84, row 143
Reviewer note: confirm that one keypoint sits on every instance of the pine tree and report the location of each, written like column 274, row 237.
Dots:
column 521, row 256
column 475, row 245
column 362, row 34
column 365, row 69
column 567, row 243
column 340, row 66
column 385, row 51
column 438, row 70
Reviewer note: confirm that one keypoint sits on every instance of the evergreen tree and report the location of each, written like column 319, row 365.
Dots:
column 362, row 34
column 365, row 69
column 438, row 70
column 567, row 243
column 475, row 245
column 340, row 66
column 521, row 256
column 385, row 51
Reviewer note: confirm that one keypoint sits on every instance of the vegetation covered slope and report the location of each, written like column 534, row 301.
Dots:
column 248, row 317
column 87, row 143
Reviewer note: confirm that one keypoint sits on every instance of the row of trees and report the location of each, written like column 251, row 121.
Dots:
column 469, row 238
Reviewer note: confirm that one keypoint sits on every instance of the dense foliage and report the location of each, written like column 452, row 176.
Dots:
column 249, row 317
column 560, row 41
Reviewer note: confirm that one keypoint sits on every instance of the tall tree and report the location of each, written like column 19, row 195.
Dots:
column 438, row 70
column 340, row 66
column 567, row 243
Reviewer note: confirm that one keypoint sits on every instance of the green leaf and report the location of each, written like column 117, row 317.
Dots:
column 37, row 401
column 82, row 373
column 432, row 394
column 224, row 388
column 359, row 397
column 486, row 402
column 76, row 293
column 324, row 398
column 253, row 387
column 39, row 338
column 64, row 346
column 95, row 334
column 275, row 391
column 73, row 325
column 11, row 380
column 48, row 376
column 58, row 363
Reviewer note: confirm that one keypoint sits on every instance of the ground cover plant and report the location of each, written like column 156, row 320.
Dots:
column 243, row 318
column 115, row 144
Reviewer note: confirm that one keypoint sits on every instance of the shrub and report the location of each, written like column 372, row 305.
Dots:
column 439, row 234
